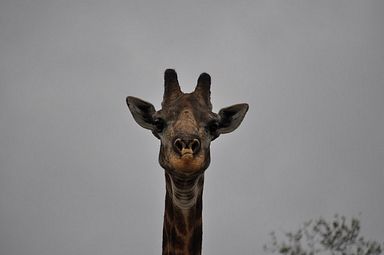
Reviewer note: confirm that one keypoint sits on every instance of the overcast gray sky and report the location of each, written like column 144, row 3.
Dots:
column 79, row 176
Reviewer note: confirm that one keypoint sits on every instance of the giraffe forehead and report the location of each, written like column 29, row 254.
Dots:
column 187, row 108
column 186, row 117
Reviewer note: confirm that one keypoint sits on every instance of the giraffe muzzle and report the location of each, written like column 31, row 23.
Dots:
column 186, row 148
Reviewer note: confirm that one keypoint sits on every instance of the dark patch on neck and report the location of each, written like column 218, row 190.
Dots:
column 196, row 240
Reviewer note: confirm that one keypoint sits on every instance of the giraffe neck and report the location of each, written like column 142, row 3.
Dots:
column 182, row 228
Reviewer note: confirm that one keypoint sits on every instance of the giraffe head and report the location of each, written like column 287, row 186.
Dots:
column 186, row 124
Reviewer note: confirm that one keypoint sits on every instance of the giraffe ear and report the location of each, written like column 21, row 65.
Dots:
column 142, row 112
column 231, row 117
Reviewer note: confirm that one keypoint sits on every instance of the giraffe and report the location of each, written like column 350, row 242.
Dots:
column 185, row 126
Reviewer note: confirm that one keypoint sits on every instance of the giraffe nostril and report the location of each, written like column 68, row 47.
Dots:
column 179, row 145
column 195, row 145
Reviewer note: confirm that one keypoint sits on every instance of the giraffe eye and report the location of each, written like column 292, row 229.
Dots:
column 159, row 125
column 212, row 127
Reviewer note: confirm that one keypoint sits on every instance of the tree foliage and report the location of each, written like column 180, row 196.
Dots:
column 338, row 236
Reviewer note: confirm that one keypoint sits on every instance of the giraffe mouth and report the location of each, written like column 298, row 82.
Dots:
column 187, row 154
column 187, row 161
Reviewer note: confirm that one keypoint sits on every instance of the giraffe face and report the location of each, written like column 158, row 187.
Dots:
column 186, row 124
column 184, row 130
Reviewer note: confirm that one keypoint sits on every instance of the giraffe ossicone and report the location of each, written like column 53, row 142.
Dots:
column 185, row 126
